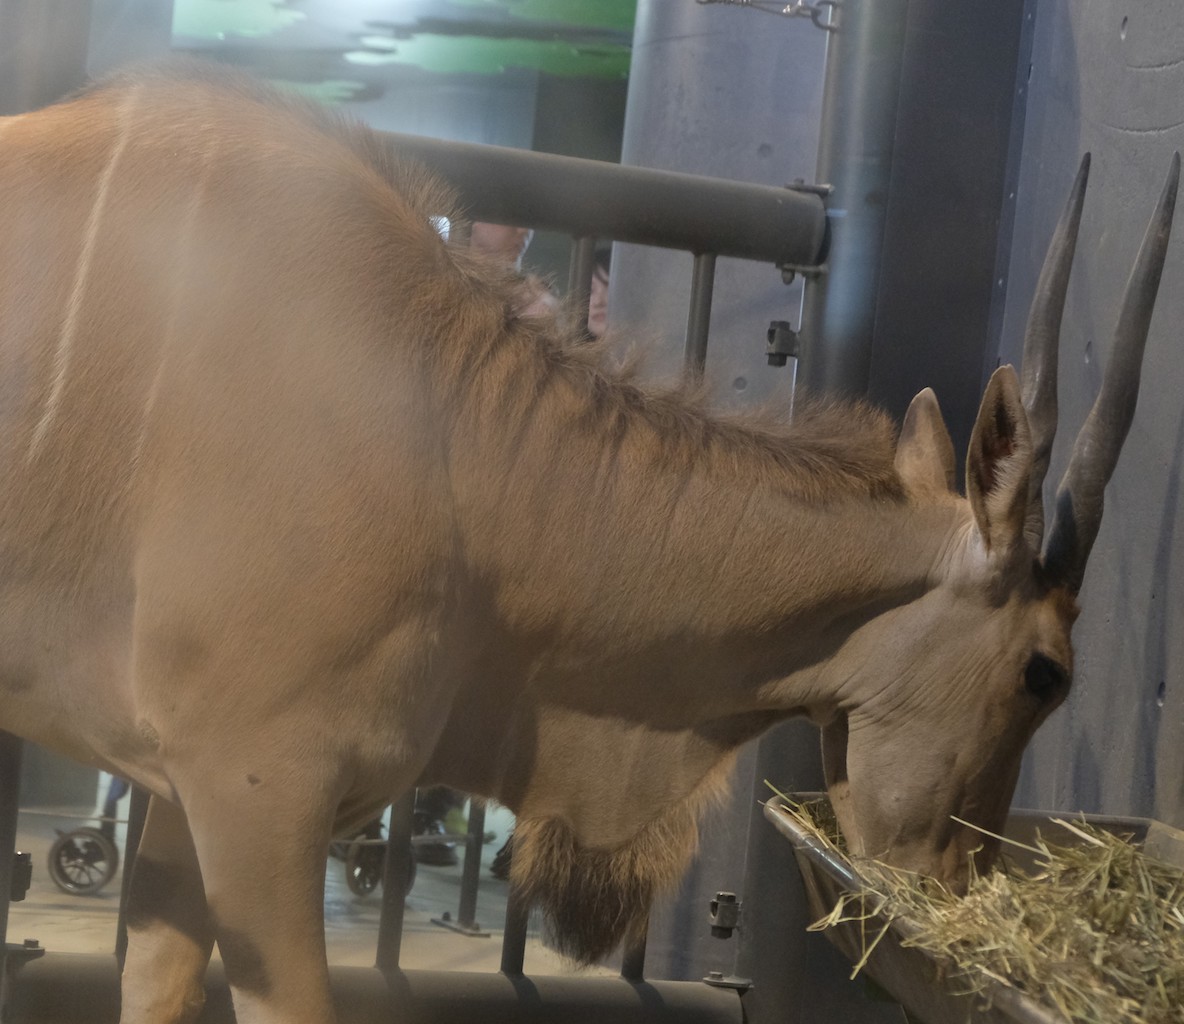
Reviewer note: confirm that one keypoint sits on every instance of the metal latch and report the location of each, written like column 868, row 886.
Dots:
column 782, row 343
column 725, row 915
column 798, row 9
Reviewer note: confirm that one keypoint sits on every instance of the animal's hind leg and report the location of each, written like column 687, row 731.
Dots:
column 262, row 837
column 168, row 924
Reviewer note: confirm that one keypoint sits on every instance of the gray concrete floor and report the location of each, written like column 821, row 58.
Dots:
column 86, row 924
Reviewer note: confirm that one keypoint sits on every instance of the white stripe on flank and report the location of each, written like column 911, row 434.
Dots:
column 184, row 261
column 61, row 360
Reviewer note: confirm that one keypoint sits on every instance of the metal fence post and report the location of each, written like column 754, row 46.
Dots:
column 859, row 107
column 137, row 813
column 470, row 876
column 396, row 872
column 10, row 790
column 43, row 47
column 699, row 313
column 579, row 278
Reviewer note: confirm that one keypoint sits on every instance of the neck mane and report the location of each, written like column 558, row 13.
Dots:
column 644, row 558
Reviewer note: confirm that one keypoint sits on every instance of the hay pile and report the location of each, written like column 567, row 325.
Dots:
column 1095, row 931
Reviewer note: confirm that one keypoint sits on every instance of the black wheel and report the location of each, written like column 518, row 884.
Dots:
column 363, row 866
column 364, row 863
column 81, row 862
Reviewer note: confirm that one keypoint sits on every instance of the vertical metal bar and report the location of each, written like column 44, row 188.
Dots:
column 633, row 962
column 11, row 748
column 579, row 279
column 470, row 876
column 396, row 871
column 137, row 812
column 859, row 108
column 45, row 44
column 699, row 317
column 514, row 937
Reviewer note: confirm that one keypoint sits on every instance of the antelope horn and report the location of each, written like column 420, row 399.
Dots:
column 1077, row 511
column 1039, row 382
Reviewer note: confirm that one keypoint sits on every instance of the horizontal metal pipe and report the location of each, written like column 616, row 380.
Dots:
column 85, row 987
column 628, row 204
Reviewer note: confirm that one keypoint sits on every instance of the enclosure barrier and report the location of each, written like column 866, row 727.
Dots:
column 627, row 204
column 72, row 988
column 591, row 199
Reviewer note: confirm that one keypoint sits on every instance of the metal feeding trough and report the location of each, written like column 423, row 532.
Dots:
column 912, row 976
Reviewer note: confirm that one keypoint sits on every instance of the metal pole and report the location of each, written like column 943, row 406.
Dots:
column 514, row 937
column 633, row 962
column 470, row 877
column 859, row 109
column 10, row 790
column 396, row 871
column 43, row 46
column 579, row 279
column 137, row 813
column 85, row 987
column 627, row 204
column 699, row 315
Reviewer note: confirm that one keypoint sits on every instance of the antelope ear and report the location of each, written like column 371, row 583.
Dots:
column 924, row 451
column 999, row 463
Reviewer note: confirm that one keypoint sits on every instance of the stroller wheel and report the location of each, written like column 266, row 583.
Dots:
column 82, row 861
column 364, row 864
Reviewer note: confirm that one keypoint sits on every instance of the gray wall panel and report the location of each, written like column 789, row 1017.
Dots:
column 735, row 94
column 1110, row 79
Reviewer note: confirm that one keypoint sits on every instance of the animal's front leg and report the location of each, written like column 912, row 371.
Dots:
column 262, row 837
column 169, row 936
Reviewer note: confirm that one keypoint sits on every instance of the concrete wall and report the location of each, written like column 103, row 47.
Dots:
column 712, row 87
column 736, row 94
column 729, row 93
column 1109, row 78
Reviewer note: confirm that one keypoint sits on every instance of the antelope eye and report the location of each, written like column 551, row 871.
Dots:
column 1044, row 678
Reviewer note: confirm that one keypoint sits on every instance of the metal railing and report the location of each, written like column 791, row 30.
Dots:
column 591, row 200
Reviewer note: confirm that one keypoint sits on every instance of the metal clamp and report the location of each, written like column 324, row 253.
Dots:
column 717, row 979
column 811, row 188
column 15, row 954
column 725, row 915
column 800, row 9
column 782, row 343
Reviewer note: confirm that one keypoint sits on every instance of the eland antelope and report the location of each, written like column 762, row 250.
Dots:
column 297, row 513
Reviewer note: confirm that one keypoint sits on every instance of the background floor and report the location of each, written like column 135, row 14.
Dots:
column 87, row 924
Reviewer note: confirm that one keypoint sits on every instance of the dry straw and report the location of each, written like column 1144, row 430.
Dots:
column 1094, row 931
